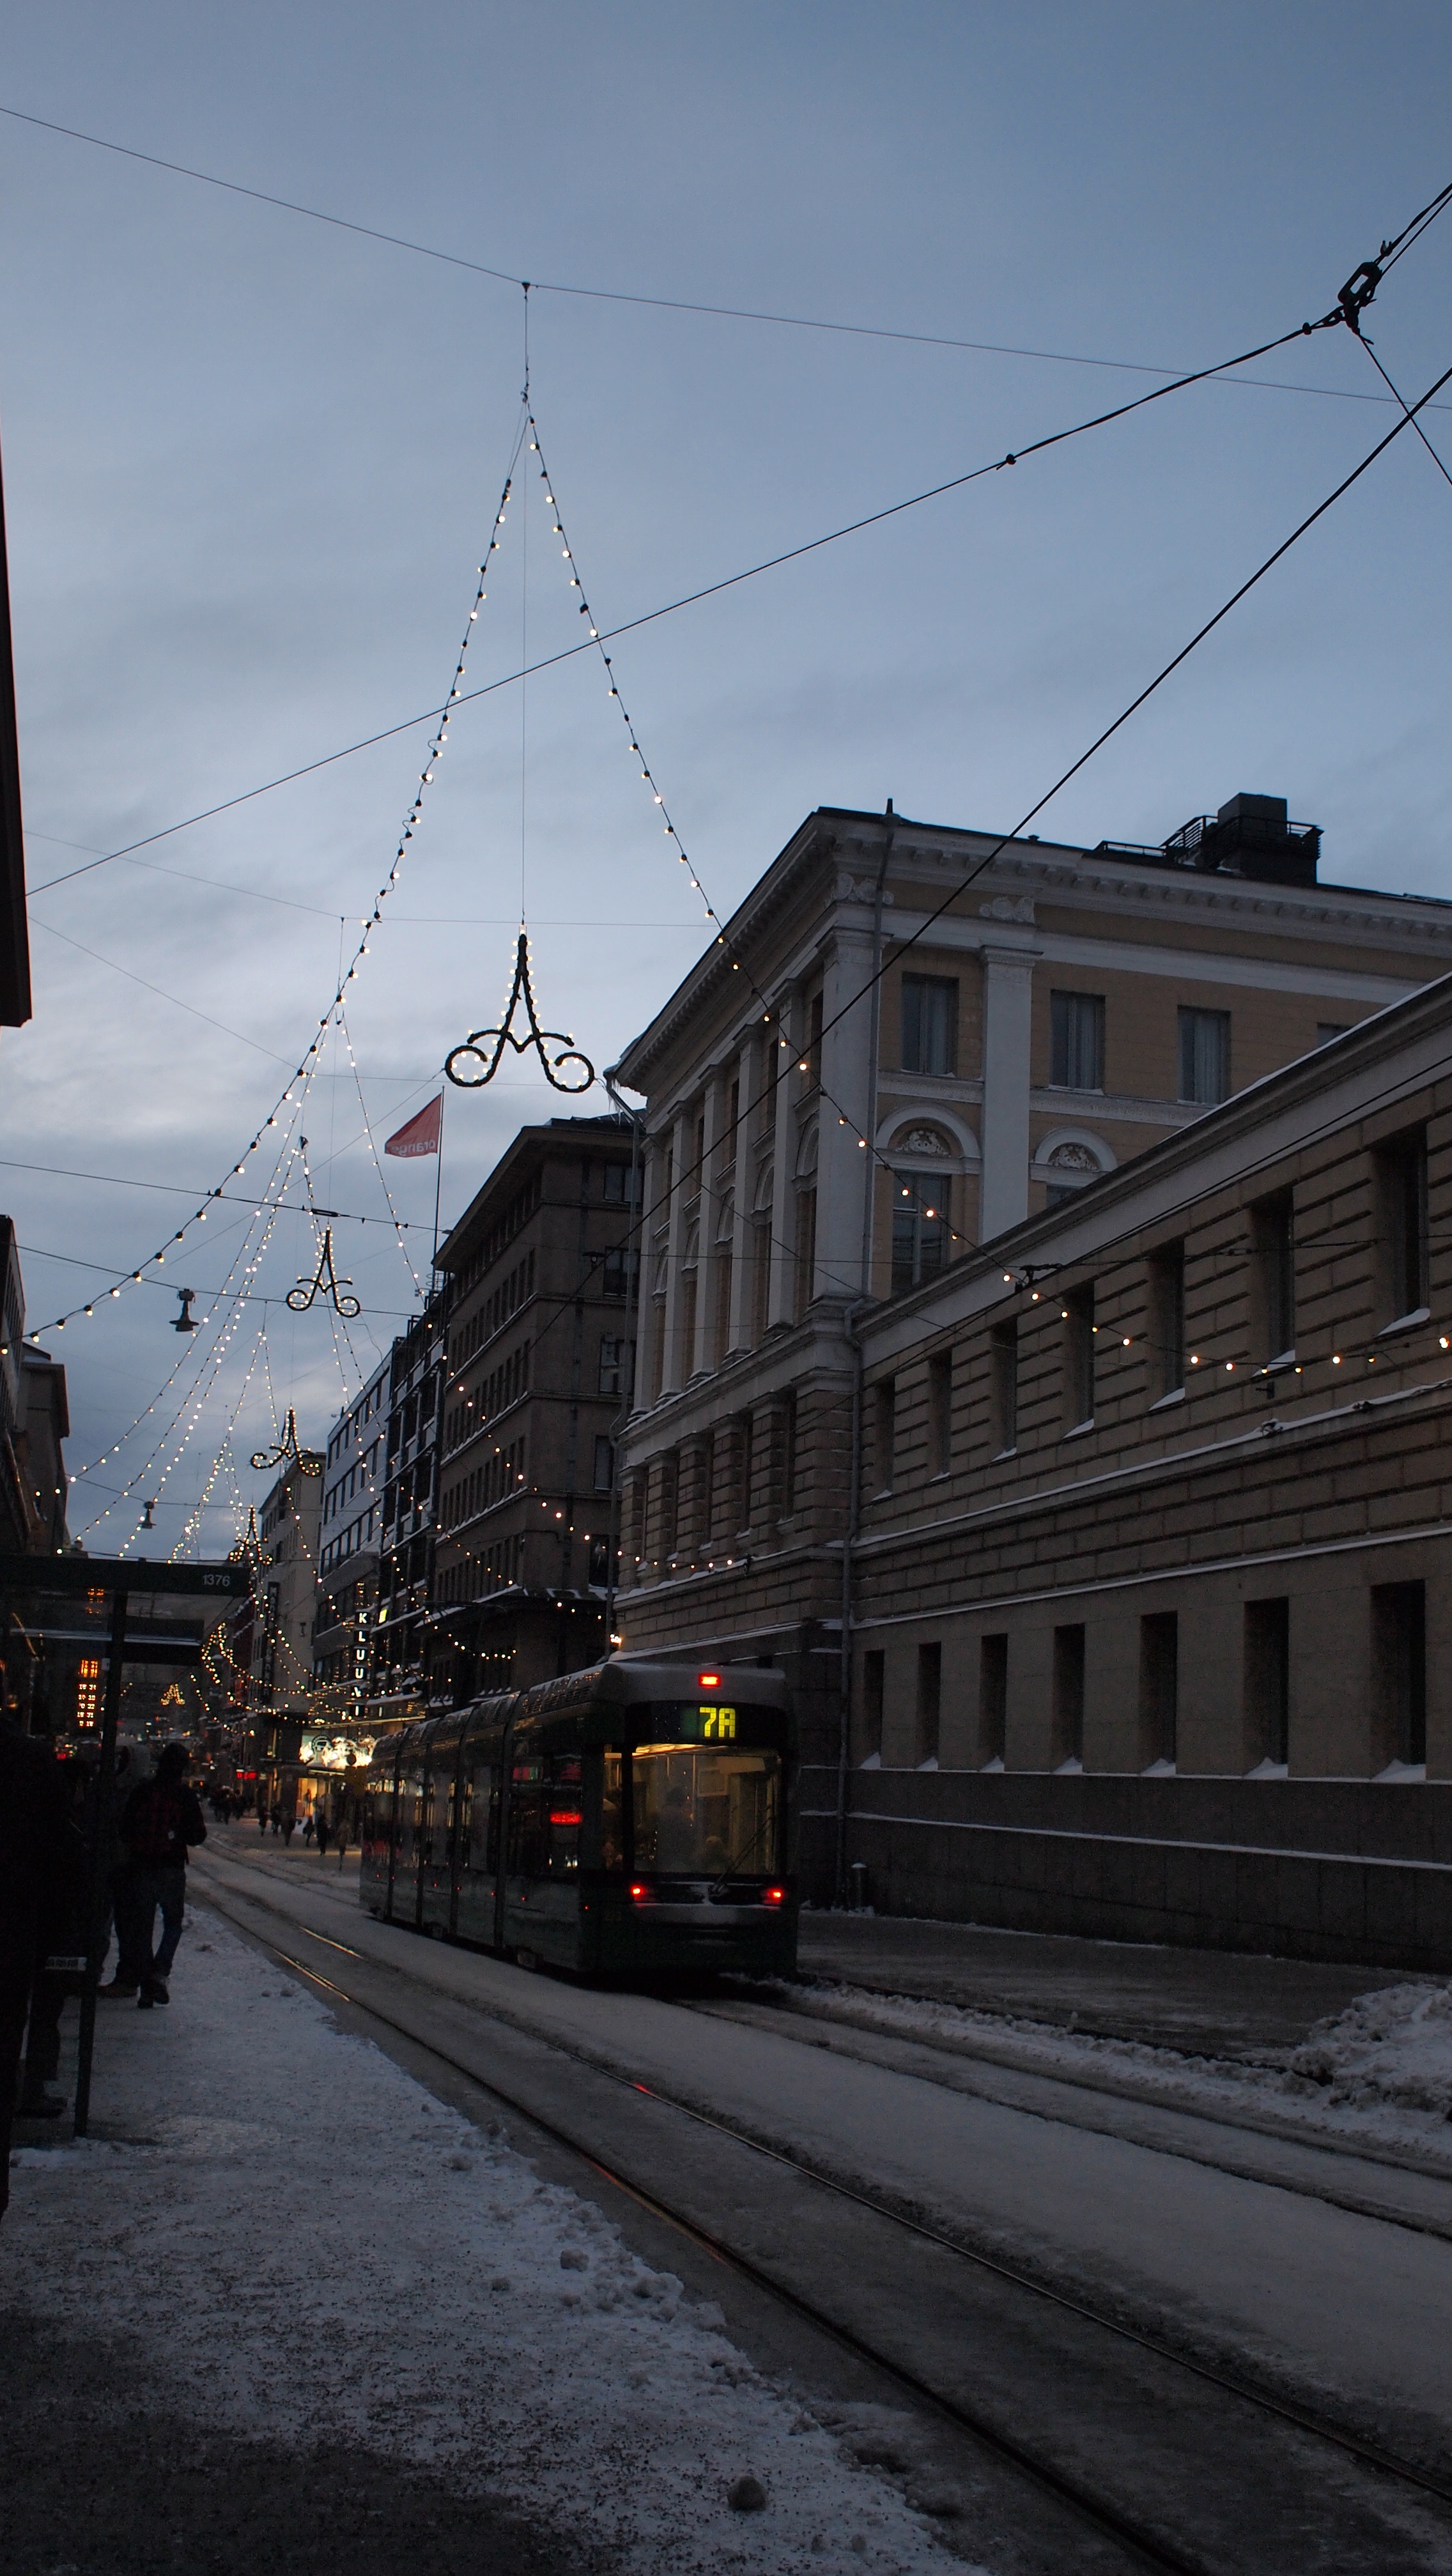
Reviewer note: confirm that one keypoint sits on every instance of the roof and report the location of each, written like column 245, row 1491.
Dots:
column 553, row 1136
column 818, row 836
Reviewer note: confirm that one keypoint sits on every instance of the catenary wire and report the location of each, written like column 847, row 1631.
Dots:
column 687, row 599
column 1416, row 424
column 672, row 303
column 647, row 1215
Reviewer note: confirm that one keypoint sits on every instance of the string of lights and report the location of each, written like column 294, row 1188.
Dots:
column 901, row 946
column 693, row 598
column 192, row 1526
column 211, row 1363
column 646, row 1217
column 245, row 1261
column 437, row 745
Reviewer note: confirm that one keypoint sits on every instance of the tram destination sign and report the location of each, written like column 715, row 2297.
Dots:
column 111, row 1574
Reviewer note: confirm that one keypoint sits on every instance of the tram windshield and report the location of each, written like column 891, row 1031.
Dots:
column 700, row 1811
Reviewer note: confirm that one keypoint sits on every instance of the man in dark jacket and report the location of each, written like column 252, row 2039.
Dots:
column 160, row 1821
column 35, row 1861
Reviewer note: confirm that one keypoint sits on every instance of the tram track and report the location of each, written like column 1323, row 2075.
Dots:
column 1063, row 2478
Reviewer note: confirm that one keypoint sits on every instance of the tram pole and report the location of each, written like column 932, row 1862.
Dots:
column 100, row 1843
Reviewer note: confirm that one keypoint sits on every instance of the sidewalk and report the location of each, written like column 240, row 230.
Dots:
column 287, row 2308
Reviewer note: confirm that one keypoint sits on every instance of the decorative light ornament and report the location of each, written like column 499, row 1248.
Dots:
column 325, row 1278
column 288, row 1447
column 478, row 1060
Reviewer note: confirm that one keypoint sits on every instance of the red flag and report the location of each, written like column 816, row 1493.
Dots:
column 421, row 1135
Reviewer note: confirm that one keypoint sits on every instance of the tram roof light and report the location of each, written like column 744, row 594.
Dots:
column 708, row 1681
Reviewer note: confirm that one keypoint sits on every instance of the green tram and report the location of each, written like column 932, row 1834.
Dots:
column 630, row 1820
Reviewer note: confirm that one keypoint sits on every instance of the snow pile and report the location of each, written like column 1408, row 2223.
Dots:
column 303, row 2245
column 1381, row 2072
column 1391, row 2050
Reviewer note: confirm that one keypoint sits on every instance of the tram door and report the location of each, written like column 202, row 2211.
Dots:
column 542, row 1882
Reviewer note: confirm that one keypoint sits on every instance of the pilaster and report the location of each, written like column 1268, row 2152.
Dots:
column 1007, row 1032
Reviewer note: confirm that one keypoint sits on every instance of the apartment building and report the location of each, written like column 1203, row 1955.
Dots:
column 279, row 1637
column 788, row 1470
column 538, row 1284
column 349, row 1536
column 417, row 1367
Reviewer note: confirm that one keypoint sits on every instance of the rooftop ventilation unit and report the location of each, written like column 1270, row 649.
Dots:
column 1249, row 837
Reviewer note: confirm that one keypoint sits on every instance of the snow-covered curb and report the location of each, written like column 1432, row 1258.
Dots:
column 1379, row 2073
column 303, row 2244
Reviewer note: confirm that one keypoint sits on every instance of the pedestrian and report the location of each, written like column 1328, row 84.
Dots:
column 161, row 1820
column 288, row 1823
column 261, row 1817
column 35, row 1864
column 341, row 1829
column 324, row 1829
column 308, row 1827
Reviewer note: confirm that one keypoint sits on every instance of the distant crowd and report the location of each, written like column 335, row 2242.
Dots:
column 79, row 1870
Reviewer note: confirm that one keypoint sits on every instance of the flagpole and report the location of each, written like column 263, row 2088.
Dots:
column 438, row 1186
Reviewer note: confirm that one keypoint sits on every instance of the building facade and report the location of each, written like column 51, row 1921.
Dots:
column 279, row 1638
column 890, row 1492
column 416, row 1371
column 349, row 1539
column 539, row 1358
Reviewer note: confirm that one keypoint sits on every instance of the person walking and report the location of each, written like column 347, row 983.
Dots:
column 161, row 1821
column 35, row 1864
column 324, row 1830
column 308, row 1827
column 261, row 1818
column 288, row 1823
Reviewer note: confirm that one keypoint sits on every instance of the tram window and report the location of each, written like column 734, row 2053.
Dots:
column 529, row 1828
column 699, row 1811
column 429, row 1806
column 474, row 1818
column 410, row 1811
column 612, row 1830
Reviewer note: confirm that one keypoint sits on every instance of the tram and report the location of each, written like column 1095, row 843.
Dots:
column 629, row 1820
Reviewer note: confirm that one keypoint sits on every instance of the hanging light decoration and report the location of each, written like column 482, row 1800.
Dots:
column 477, row 1061
column 288, row 1447
column 325, row 1280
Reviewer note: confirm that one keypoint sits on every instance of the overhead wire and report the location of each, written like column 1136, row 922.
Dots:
column 694, row 598
column 654, row 303
column 638, row 1225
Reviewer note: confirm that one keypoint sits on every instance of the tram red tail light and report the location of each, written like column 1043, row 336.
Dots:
column 564, row 1816
column 709, row 1681
column 640, row 1894
column 773, row 1896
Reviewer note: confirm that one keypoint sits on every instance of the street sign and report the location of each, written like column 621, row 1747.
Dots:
column 111, row 1574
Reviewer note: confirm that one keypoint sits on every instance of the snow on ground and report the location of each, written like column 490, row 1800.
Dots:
column 1379, row 2073
column 305, row 2245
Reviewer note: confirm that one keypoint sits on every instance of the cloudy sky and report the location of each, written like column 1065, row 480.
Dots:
column 251, row 460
